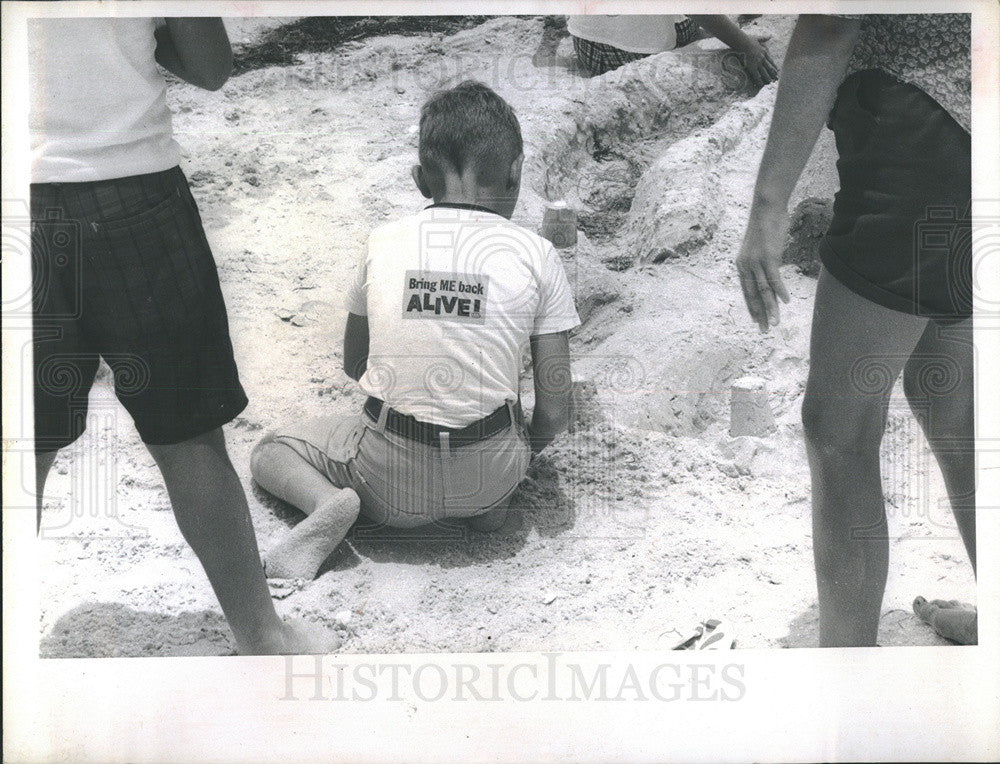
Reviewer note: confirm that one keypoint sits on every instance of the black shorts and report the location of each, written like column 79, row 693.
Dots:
column 121, row 269
column 901, row 231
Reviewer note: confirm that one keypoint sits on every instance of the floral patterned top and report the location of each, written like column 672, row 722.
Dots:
column 932, row 51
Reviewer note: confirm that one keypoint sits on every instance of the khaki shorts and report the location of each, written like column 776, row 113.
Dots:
column 404, row 483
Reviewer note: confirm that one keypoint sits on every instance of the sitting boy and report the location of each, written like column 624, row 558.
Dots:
column 444, row 304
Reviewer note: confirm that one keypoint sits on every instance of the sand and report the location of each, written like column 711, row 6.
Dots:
column 644, row 520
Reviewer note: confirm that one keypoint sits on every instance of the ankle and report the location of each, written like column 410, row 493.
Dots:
column 269, row 640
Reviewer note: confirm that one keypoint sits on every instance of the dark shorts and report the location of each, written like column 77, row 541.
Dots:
column 599, row 58
column 121, row 269
column 901, row 232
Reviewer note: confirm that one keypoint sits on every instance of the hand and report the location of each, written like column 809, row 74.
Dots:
column 195, row 49
column 758, row 263
column 758, row 64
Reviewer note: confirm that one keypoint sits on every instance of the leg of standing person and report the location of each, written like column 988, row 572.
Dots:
column 938, row 381
column 212, row 513
column 857, row 351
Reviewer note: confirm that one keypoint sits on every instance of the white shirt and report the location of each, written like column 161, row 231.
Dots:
column 452, row 295
column 98, row 101
column 640, row 33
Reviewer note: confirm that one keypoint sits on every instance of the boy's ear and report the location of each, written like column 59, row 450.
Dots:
column 515, row 171
column 418, row 177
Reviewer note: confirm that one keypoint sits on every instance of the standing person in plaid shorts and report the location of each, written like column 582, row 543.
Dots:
column 141, row 288
column 604, row 43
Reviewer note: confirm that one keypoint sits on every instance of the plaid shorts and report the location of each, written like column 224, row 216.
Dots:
column 121, row 269
column 599, row 58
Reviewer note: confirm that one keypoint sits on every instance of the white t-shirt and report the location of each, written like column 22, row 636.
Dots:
column 98, row 101
column 452, row 295
column 641, row 33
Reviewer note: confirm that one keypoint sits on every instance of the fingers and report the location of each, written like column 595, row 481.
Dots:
column 767, row 71
column 767, row 297
column 755, row 71
column 773, row 276
column 769, row 64
column 760, row 68
column 758, row 267
column 761, row 284
column 751, row 295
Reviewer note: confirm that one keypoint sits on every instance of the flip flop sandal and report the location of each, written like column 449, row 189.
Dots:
column 713, row 634
column 688, row 640
column 718, row 635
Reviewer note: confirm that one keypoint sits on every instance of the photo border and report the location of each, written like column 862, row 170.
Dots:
column 803, row 704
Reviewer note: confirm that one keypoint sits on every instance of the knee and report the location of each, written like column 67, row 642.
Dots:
column 352, row 503
column 834, row 430
column 259, row 453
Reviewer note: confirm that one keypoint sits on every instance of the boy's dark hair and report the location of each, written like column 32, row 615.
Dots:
column 469, row 125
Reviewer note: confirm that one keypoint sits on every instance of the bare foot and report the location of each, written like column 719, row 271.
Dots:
column 308, row 638
column 950, row 619
column 310, row 542
column 297, row 637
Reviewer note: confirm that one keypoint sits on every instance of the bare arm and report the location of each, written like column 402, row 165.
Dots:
column 553, row 388
column 756, row 60
column 814, row 66
column 356, row 346
column 197, row 50
column 724, row 29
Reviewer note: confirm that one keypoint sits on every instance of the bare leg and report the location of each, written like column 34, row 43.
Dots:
column 939, row 387
column 211, row 511
column 43, row 464
column 857, row 351
column 331, row 511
